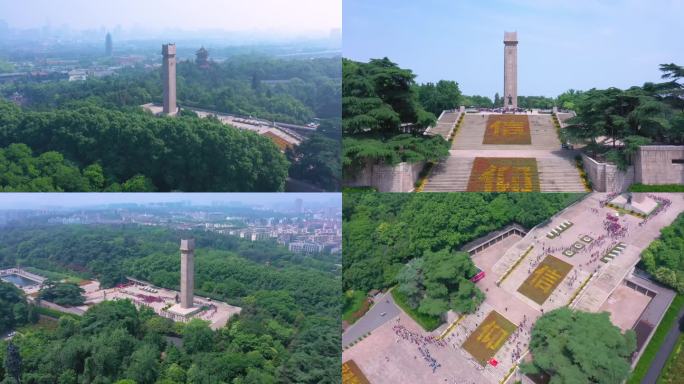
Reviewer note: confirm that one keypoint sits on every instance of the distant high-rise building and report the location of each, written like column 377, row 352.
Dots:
column 169, row 77
column 108, row 44
column 298, row 206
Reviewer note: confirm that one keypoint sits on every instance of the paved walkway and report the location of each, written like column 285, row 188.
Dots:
column 666, row 348
column 372, row 319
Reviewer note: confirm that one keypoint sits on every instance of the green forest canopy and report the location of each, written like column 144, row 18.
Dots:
column 653, row 112
column 580, row 347
column 664, row 257
column 384, row 114
column 186, row 154
column 14, row 310
column 288, row 330
column 440, row 281
column 291, row 91
column 242, row 85
column 383, row 231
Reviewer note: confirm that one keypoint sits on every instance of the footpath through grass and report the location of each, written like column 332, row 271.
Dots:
column 429, row 323
column 658, row 337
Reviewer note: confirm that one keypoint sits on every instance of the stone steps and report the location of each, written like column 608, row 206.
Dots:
column 451, row 174
column 472, row 131
column 445, row 124
column 555, row 175
column 557, row 171
column 559, row 175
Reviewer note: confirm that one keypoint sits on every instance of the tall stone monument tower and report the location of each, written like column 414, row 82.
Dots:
column 187, row 248
column 169, row 74
column 510, row 95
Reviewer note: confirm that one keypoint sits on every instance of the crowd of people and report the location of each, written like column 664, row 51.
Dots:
column 422, row 342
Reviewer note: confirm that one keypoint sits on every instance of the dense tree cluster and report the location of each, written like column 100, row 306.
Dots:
column 383, row 232
column 384, row 114
column 14, row 310
column 479, row 101
column 536, row 102
column 49, row 172
column 579, row 347
column 136, row 151
column 436, row 98
column 64, row 294
column 317, row 160
column 404, row 147
column 288, row 330
column 378, row 96
column 633, row 117
column 439, row 281
column 664, row 257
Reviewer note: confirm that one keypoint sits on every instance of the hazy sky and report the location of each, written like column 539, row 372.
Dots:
column 564, row 44
column 287, row 16
column 38, row 200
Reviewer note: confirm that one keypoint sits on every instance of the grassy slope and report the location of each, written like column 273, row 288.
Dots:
column 674, row 368
column 357, row 303
column 658, row 337
column 429, row 323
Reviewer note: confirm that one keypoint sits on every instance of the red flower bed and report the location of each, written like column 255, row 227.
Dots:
column 507, row 129
column 504, row 174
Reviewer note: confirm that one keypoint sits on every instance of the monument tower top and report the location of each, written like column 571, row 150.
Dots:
column 510, row 70
column 510, row 38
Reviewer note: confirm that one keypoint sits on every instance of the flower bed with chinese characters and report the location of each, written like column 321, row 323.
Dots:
column 504, row 174
column 507, row 129
column 489, row 337
column 351, row 374
column 544, row 279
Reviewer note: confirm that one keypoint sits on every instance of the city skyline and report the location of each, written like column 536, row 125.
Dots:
column 22, row 201
column 226, row 15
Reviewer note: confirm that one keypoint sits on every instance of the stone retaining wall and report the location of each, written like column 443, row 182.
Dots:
column 607, row 177
column 387, row 178
column 654, row 164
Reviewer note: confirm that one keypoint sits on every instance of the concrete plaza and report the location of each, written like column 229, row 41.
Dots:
column 160, row 300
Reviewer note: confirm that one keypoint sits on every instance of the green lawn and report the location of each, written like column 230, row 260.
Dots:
column 656, row 188
column 355, row 303
column 657, row 339
column 429, row 323
column 674, row 368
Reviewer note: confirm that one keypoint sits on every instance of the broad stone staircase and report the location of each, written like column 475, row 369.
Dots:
column 451, row 174
column 559, row 174
column 445, row 124
column 556, row 167
column 471, row 134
